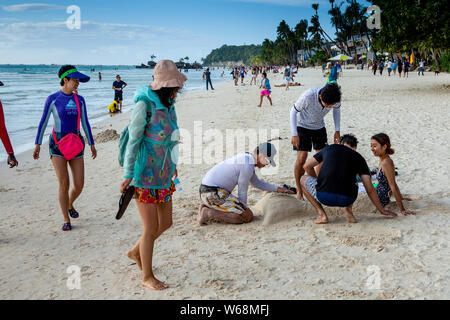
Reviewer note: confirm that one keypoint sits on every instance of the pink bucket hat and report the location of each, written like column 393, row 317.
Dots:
column 166, row 75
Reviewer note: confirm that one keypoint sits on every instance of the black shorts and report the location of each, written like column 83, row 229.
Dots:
column 311, row 138
column 118, row 96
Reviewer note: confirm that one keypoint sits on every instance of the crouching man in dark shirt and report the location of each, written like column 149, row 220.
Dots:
column 336, row 185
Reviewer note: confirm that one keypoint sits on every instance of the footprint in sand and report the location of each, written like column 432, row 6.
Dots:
column 365, row 236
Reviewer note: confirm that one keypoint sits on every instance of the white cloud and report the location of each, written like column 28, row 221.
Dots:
column 97, row 43
column 9, row 19
column 32, row 7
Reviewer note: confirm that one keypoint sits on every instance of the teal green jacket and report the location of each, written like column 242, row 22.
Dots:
column 151, row 156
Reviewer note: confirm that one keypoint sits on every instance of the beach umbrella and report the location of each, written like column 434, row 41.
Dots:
column 340, row 57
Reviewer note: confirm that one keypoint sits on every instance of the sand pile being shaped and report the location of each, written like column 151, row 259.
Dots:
column 106, row 136
column 277, row 207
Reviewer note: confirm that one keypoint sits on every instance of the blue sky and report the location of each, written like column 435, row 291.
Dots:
column 128, row 32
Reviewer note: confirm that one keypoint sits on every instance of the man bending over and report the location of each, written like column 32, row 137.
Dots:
column 215, row 191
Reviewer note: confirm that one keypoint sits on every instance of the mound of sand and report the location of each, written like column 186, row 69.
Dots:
column 106, row 136
column 277, row 207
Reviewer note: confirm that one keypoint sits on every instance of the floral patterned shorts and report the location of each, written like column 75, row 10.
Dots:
column 154, row 195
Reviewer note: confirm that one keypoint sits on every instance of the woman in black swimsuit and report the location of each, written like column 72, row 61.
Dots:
column 381, row 147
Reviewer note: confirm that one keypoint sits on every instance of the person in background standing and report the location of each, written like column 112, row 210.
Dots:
column 253, row 76
column 99, row 76
column 207, row 77
column 400, row 67
column 381, row 66
column 406, row 68
column 421, row 67
column 394, row 67
column 389, row 65
column 118, row 87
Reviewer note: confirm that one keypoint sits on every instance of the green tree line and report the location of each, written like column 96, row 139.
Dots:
column 233, row 53
column 417, row 27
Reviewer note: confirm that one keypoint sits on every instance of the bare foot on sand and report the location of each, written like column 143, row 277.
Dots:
column 136, row 258
column 300, row 196
column 154, row 284
column 203, row 215
column 350, row 218
column 321, row 220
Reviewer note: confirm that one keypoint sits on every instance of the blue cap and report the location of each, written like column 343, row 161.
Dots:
column 75, row 74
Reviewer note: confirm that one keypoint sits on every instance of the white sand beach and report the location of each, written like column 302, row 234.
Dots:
column 290, row 259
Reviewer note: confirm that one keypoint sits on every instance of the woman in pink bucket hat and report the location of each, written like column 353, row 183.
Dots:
column 149, row 165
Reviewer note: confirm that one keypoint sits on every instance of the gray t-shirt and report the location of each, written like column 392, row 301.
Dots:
column 309, row 113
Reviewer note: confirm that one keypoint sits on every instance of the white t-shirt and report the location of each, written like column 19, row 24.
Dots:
column 421, row 64
column 308, row 112
column 390, row 64
column 236, row 171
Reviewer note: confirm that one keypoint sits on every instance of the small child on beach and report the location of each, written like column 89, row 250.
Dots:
column 265, row 92
column 381, row 147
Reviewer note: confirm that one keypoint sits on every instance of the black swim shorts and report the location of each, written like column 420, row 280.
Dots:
column 118, row 96
column 309, row 139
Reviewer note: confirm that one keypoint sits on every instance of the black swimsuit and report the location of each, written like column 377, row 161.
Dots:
column 383, row 188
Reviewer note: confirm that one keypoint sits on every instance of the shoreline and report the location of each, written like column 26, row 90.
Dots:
column 96, row 122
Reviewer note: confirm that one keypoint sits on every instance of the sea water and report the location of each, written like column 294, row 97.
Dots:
column 26, row 87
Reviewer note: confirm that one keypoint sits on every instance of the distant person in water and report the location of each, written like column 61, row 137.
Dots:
column 207, row 77
column 266, row 89
column 68, row 110
column 380, row 145
column 118, row 87
column 11, row 161
column 99, row 76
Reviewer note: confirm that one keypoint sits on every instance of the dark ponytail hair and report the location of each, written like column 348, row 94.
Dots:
column 166, row 95
column 384, row 140
column 63, row 69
